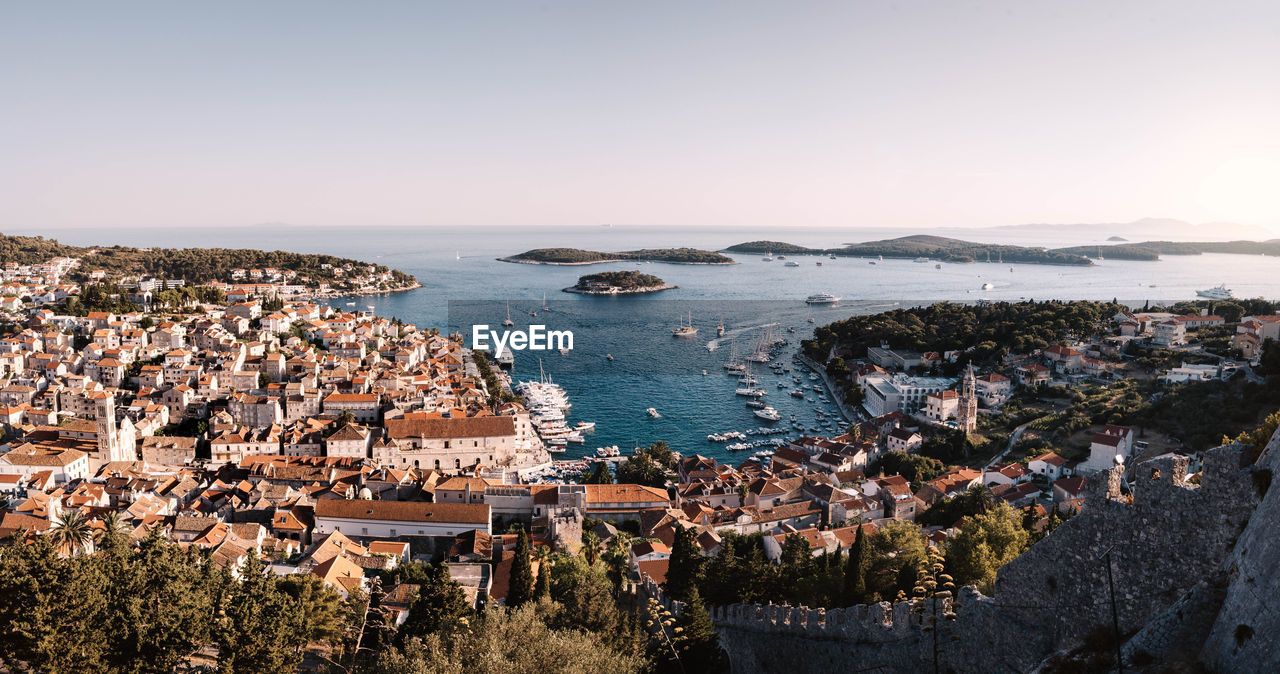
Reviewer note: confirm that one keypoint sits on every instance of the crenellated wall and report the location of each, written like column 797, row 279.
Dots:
column 1168, row 538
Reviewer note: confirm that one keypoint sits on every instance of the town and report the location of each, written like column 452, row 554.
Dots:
column 270, row 436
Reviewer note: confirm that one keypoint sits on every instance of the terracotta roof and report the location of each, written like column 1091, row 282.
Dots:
column 403, row 511
column 465, row 427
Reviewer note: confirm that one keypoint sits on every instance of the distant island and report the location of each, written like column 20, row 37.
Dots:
column 938, row 248
column 1116, row 238
column 292, row 273
column 572, row 256
column 618, row 283
column 1152, row 250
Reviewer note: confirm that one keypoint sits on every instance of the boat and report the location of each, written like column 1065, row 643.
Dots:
column 351, row 304
column 797, row 393
column 793, row 263
column 653, row 413
column 755, row 404
column 782, row 257
column 821, row 298
column 768, row 257
column 921, row 260
column 749, row 391
column 504, row 358
column 544, row 303
column 937, row 266
column 608, row 356
column 1219, row 292
column 1099, row 259
column 871, row 261
column 768, row 414
column 457, row 255
column 720, row 327
column 584, row 426
column 685, row 330
column 988, row 286
column 819, row 263
column 832, row 257
column 564, row 352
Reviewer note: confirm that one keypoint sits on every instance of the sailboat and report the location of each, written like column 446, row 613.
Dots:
column 544, row 303
column 457, row 255
column 685, row 330
column 720, row 328
column 508, row 322
column 1099, row 259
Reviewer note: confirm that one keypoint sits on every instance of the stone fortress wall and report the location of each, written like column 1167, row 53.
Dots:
column 1169, row 546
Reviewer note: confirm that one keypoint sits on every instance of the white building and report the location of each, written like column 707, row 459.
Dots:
column 900, row 393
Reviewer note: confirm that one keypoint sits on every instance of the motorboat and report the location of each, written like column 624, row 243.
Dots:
column 584, row 426
column 768, row 414
column 1218, row 292
column 653, row 413
column 988, row 286
column 793, row 263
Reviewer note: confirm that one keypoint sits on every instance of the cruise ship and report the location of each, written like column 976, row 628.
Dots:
column 821, row 298
column 1219, row 292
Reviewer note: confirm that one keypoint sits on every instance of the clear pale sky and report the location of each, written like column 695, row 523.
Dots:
column 733, row 113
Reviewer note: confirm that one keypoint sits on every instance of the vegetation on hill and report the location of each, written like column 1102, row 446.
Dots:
column 1152, row 250
column 933, row 247
column 580, row 256
column 983, row 331
column 627, row 280
column 194, row 265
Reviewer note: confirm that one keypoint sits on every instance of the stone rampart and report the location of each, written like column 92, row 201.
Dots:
column 1163, row 538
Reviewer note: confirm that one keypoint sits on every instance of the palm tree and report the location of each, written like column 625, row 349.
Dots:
column 112, row 524
column 590, row 547
column 71, row 532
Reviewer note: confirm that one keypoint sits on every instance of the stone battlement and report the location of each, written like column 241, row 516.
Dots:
column 1163, row 538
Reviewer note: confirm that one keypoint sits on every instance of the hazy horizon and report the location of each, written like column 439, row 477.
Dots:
column 742, row 115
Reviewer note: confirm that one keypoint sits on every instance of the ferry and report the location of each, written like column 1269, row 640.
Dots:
column 821, row 298
column 1219, row 292
column 768, row 414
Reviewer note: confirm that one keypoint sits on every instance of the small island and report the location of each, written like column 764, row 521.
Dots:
column 577, row 256
column 618, row 283
column 938, row 248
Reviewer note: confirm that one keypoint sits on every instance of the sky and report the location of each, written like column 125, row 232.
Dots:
column 738, row 113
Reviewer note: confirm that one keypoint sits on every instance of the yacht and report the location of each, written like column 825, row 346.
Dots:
column 685, row 330
column 793, row 263
column 584, row 426
column 821, row 298
column 768, row 414
column 504, row 358
column 1219, row 292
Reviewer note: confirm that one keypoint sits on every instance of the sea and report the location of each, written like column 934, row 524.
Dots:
column 683, row 379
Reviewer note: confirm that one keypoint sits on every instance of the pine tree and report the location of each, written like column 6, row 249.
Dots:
column 520, row 586
column 696, row 638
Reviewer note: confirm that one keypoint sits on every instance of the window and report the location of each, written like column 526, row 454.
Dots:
column 393, row 533
column 364, row 531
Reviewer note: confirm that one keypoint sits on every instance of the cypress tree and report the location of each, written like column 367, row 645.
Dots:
column 542, row 588
column 685, row 566
column 520, row 586
column 855, row 570
column 699, row 645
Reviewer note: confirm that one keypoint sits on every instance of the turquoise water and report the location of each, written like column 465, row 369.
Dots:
column 651, row 369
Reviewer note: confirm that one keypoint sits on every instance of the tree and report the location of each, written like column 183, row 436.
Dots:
column 684, row 569
column 71, row 532
column 51, row 608
column 599, row 474
column 440, row 603
column 590, row 546
column 855, row 570
column 985, row 543
column 542, row 587
column 520, row 586
column 698, row 643
column 262, row 628
column 320, row 604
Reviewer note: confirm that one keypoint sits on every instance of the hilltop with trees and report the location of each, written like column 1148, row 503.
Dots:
column 572, row 256
column 939, row 248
